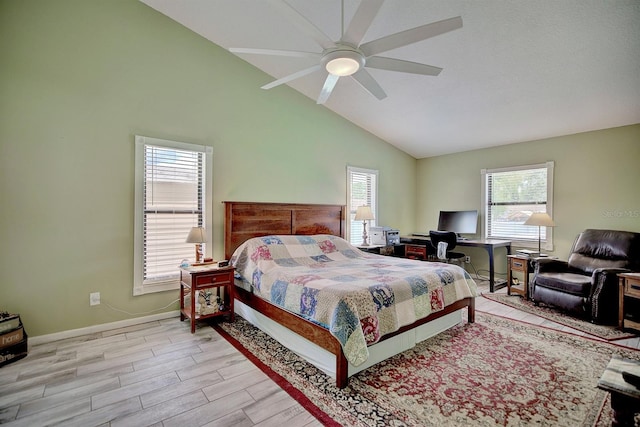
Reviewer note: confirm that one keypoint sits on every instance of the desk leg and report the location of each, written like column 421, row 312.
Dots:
column 492, row 282
column 492, row 272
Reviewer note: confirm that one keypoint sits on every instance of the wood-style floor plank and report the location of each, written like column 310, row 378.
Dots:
column 159, row 374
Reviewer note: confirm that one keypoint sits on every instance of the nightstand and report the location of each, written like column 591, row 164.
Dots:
column 629, row 301
column 215, row 284
column 521, row 264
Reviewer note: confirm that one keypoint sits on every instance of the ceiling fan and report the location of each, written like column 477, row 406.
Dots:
column 348, row 57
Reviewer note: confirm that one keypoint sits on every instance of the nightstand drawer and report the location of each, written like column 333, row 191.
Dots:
column 632, row 287
column 221, row 278
column 518, row 264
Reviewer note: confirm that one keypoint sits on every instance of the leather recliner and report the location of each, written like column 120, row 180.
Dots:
column 587, row 283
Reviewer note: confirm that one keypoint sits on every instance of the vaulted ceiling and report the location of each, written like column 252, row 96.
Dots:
column 517, row 70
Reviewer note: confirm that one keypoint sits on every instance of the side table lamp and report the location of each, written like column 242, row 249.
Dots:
column 198, row 236
column 541, row 219
column 363, row 213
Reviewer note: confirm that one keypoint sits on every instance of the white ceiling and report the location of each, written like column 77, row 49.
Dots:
column 517, row 70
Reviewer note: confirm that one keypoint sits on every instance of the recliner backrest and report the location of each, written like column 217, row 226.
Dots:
column 594, row 249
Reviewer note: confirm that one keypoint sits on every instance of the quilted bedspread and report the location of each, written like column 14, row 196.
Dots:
column 358, row 297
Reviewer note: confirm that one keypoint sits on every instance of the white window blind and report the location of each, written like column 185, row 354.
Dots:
column 171, row 197
column 362, row 190
column 511, row 195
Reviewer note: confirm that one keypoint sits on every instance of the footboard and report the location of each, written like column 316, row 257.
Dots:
column 323, row 338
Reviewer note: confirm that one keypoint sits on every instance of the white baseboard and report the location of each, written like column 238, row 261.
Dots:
column 41, row 339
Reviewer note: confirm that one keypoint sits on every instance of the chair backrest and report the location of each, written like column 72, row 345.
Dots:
column 443, row 236
column 594, row 249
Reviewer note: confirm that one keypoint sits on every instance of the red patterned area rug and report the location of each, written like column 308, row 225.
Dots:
column 495, row 372
column 609, row 333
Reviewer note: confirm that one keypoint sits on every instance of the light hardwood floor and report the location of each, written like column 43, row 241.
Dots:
column 159, row 374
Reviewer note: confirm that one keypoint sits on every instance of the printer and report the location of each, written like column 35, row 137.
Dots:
column 384, row 236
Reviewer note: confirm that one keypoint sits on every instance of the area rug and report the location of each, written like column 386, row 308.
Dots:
column 609, row 333
column 495, row 372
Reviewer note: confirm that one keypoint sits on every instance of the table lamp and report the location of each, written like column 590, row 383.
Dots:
column 363, row 213
column 198, row 236
column 541, row 219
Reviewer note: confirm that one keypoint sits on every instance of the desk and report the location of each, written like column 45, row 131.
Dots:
column 390, row 250
column 488, row 244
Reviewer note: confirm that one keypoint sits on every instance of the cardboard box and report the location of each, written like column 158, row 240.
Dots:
column 13, row 352
column 12, row 337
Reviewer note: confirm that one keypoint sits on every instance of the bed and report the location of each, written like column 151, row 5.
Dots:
column 349, row 309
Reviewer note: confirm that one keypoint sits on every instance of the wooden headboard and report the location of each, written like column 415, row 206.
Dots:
column 244, row 220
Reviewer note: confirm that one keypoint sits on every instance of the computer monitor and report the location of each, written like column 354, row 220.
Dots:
column 460, row 222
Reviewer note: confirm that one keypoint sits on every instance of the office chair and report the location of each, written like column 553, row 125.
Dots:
column 450, row 238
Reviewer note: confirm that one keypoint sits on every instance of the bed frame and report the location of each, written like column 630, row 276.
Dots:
column 245, row 220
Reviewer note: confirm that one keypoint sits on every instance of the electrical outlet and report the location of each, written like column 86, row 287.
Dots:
column 94, row 298
column 467, row 259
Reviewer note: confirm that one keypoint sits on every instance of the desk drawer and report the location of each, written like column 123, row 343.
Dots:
column 632, row 287
column 415, row 251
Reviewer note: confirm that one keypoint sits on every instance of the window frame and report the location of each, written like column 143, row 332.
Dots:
column 140, row 286
column 351, row 210
column 547, row 241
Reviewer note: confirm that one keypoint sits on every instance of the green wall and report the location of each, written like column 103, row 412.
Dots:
column 78, row 79
column 596, row 183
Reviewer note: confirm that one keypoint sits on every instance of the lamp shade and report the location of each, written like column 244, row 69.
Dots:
column 363, row 213
column 196, row 235
column 541, row 219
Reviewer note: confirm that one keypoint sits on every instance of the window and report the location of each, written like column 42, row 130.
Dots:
column 362, row 190
column 173, row 192
column 510, row 196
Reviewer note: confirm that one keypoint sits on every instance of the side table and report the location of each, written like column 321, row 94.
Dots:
column 625, row 397
column 629, row 301
column 523, row 265
column 216, row 280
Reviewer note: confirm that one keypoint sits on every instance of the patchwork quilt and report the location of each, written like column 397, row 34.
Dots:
column 357, row 296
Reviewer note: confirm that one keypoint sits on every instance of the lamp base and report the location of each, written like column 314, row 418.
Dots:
column 198, row 252
column 364, row 234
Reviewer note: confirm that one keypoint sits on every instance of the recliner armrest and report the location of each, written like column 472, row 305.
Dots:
column 604, row 294
column 548, row 265
column 607, row 274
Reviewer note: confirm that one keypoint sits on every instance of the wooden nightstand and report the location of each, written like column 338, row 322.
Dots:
column 216, row 280
column 521, row 264
column 629, row 301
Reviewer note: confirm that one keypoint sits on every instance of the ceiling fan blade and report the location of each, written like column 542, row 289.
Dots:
column 327, row 88
column 413, row 35
column 275, row 52
column 391, row 64
column 368, row 82
column 361, row 21
column 303, row 24
column 291, row 77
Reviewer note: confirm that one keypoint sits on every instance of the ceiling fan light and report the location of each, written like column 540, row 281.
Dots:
column 343, row 62
column 343, row 66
